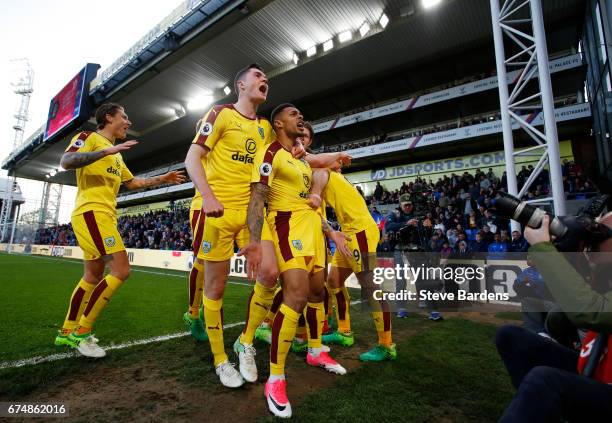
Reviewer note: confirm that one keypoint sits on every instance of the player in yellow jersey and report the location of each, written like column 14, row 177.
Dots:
column 194, row 317
column 357, row 222
column 100, row 171
column 228, row 140
column 297, row 232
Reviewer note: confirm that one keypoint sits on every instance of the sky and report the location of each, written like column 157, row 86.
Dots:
column 58, row 38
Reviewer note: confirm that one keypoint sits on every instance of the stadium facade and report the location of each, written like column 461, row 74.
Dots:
column 407, row 91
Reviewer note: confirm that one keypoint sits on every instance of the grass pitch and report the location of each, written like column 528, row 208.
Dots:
column 447, row 371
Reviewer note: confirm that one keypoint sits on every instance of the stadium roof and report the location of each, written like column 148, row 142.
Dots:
column 269, row 32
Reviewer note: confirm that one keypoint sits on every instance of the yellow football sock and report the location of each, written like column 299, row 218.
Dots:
column 196, row 288
column 329, row 301
column 343, row 300
column 283, row 331
column 257, row 309
column 315, row 315
column 301, row 328
column 78, row 301
column 100, row 296
column 382, row 321
column 276, row 303
column 213, row 318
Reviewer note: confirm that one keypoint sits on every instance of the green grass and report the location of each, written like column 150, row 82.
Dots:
column 509, row 315
column 35, row 292
column 447, row 371
column 450, row 372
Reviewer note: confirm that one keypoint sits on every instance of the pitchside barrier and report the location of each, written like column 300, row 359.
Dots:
column 499, row 274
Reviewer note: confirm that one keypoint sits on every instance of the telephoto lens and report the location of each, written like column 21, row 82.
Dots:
column 511, row 207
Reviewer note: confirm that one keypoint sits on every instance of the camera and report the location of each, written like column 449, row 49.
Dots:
column 572, row 233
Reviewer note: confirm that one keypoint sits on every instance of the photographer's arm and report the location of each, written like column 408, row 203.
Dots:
column 583, row 306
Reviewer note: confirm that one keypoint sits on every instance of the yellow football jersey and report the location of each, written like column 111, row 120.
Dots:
column 98, row 183
column 289, row 178
column 233, row 141
column 196, row 201
column 350, row 207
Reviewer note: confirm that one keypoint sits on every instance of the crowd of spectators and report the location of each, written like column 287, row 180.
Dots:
column 159, row 230
column 482, row 186
column 459, row 216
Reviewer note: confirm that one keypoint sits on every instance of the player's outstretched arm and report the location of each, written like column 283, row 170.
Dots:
column 319, row 182
column 323, row 160
column 339, row 238
column 75, row 160
column 193, row 164
column 173, row 177
column 255, row 220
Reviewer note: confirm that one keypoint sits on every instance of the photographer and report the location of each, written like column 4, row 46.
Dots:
column 549, row 378
column 395, row 222
column 410, row 238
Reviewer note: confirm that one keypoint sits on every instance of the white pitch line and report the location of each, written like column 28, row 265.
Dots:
column 67, row 260
column 61, row 356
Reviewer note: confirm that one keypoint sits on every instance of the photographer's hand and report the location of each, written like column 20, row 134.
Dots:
column 536, row 236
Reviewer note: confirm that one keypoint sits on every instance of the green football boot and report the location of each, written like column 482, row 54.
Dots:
column 264, row 334
column 196, row 326
column 299, row 347
column 340, row 338
column 64, row 340
column 379, row 353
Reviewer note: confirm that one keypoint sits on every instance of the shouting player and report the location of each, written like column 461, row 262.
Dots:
column 219, row 163
column 100, row 171
column 297, row 232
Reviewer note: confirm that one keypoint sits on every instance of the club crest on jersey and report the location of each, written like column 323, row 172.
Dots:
column 250, row 146
column 297, row 244
column 110, row 241
column 206, row 246
column 261, row 132
column 265, row 169
column 206, row 129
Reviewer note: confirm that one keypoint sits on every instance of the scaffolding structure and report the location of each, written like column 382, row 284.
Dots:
column 50, row 205
column 520, row 22
column 23, row 88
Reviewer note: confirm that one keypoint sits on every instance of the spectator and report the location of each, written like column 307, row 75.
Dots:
column 497, row 248
column 378, row 192
column 518, row 243
column 385, row 246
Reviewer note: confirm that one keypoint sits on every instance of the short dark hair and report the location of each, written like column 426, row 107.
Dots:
column 106, row 109
column 308, row 126
column 240, row 74
column 277, row 110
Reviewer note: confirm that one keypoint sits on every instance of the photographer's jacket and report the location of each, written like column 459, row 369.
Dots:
column 583, row 306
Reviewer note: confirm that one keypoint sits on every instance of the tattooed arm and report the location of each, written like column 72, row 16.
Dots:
column 255, row 217
column 173, row 177
column 75, row 160
column 255, row 221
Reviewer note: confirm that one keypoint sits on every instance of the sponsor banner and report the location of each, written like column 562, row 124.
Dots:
column 494, row 159
column 473, row 87
column 575, row 111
